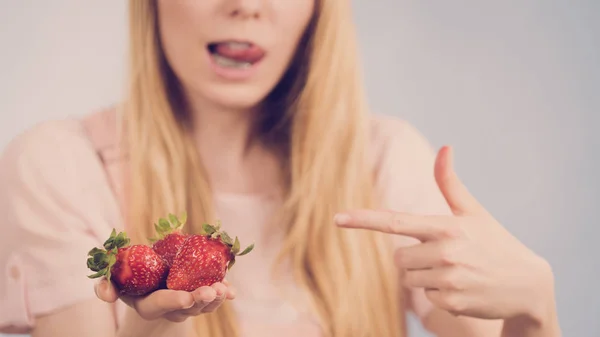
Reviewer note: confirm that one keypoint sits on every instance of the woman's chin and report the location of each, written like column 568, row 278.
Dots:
column 244, row 98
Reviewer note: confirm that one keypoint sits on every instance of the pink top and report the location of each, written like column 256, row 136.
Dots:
column 60, row 196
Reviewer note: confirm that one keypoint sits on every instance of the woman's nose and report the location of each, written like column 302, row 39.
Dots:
column 247, row 9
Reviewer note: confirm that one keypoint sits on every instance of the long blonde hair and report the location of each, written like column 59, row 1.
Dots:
column 318, row 112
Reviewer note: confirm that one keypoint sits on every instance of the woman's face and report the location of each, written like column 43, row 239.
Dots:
column 231, row 53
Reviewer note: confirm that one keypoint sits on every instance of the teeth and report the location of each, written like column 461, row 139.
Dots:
column 238, row 45
column 229, row 63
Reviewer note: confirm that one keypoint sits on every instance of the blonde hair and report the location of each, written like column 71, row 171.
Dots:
column 349, row 275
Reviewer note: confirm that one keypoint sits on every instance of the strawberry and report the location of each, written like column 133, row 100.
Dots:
column 169, row 237
column 204, row 259
column 134, row 270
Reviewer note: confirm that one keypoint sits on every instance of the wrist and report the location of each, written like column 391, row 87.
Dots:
column 539, row 315
column 538, row 324
column 527, row 326
column 542, row 307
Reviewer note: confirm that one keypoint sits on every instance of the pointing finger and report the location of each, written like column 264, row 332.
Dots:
column 423, row 228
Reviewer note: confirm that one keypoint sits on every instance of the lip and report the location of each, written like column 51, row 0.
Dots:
column 234, row 74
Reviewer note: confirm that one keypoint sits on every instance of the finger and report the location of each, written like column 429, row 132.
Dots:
column 452, row 301
column 231, row 292
column 446, row 278
column 221, row 293
column 160, row 302
column 176, row 316
column 430, row 254
column 420, row 227
column 105, row 290
column 203, row 296
column 455, row 192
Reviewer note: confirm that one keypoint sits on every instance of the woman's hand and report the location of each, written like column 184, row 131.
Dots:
column 173, row 305
column 467, row 263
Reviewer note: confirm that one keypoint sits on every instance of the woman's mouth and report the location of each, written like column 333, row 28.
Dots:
column 235, row 55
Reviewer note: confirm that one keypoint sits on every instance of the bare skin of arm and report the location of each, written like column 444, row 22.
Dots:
column 92, row 318
column 443, row 324
column 163, row 309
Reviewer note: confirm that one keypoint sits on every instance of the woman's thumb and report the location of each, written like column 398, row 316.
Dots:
column 105, row 290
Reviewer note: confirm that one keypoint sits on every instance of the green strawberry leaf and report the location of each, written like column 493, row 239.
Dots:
column 183, row 218
column 236, row 246
column 121, row 240
column 167, row 226
column 95, row 251
column 226, row 238
column 208, row 229
column 98, row 274
column 91, row 265
column 116, row 241
column 247, row 250
column 164, row 224
column 108, row 244
column 231, row 263
column 173, row 219
column 101, row 261
column 99, row 258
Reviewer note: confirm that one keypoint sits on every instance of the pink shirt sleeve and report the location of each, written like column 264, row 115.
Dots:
column 407, row 184
column 56, row 205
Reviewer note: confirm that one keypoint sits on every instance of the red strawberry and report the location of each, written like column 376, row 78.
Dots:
column 168, row 246
column 169, row 237
column 138, row 270
column 204, row 259
column 134, row 270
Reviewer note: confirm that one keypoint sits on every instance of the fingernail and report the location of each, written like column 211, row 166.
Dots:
column 190, row 305
column 209, row 294
column 342, row 219
column 100, row 287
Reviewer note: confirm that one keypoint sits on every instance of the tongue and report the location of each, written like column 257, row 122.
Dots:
column 251, row 54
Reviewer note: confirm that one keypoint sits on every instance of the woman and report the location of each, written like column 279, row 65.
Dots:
column 253, row 112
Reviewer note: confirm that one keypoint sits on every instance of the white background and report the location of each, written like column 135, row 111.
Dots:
column 513, row 85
